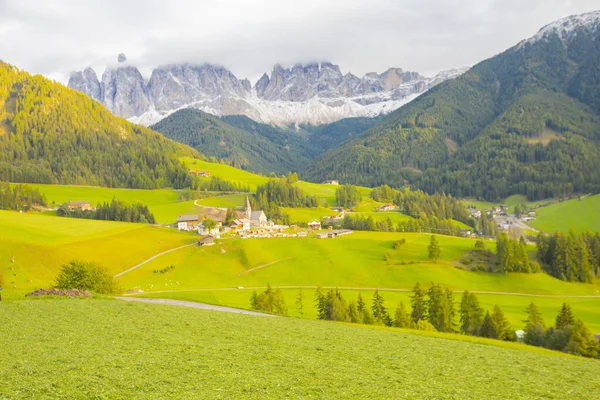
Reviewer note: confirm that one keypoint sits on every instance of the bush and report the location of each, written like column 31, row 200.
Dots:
column 86, row 276
column 399, row 243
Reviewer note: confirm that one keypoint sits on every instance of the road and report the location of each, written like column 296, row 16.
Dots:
column 192, row 304
column 371, row 289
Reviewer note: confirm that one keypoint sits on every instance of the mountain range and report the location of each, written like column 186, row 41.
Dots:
column 303, row 94
column 523, row 122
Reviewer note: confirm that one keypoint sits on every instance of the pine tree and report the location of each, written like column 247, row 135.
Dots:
column 434, row 249
column 380, row 313
column 534, row 317
column 582, row 341
column 300, row 304
column 419, row 305
column 441, row 309
column 565, row 317
column 471, row 313
column 401, row 317
column 488, row 329
column 503, row 329
column 360, row 304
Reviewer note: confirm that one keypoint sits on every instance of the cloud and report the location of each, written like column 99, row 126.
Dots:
column 54, row 38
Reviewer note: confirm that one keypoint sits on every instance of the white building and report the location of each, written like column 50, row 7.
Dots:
column 202, row 230
column 187, row 222
column 258, row 219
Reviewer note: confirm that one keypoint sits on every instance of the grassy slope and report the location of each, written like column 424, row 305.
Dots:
column 356, row 261
column 164, row 203
column 581, row 215
column 41, row 244
column 150, row 351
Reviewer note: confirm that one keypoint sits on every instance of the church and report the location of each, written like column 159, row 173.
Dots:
column 258, row 219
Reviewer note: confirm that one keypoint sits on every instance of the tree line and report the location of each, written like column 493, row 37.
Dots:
column 280, row 193
column 435, row 309
column 347, row 196
column 20, row 197
column 571, row 257
column 116, row 210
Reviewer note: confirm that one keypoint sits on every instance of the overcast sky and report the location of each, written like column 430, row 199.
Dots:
column 248, row 37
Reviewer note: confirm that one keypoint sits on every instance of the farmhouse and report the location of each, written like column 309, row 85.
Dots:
column 240, row 225
column 187, row 222
column 331, row 182
column 204, row 174
column 314, row 224
column 202, row 230
column 386, row 207
column 80, row 205
column 206, row 241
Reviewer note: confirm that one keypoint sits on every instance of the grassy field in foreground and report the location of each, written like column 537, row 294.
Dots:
column 41, row 244
column 581, row 215
column 164, row 203
column 114, row 349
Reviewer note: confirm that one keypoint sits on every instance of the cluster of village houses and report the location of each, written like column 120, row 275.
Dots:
column 504, row 220
column 251, row 224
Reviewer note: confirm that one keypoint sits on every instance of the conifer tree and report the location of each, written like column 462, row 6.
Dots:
column 300, row 304
column 503, row 329
column 419, row 305
column 488, row 329
column 380, row 313
column 434, row 251
column 471, row 313
column 565, row 317
column 534, row 317
column 582, row 341
column 401, row 317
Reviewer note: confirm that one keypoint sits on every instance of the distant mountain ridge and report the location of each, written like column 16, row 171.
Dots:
column 526, row 121
column 303, row 94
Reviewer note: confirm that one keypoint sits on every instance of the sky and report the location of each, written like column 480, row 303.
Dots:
column 56, row 37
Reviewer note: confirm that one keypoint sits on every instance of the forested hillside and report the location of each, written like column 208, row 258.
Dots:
column 52, row 134
column 250, row 145
column 522, row 122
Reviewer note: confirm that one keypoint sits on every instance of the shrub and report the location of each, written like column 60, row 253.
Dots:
column 86, row 276
column 399, row 243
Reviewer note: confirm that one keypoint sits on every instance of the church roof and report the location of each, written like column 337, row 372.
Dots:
column 256, row 214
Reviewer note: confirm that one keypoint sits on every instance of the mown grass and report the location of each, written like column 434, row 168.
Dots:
column 165, row 204
column 227, row 201
column 113, row 349
column 579, row 215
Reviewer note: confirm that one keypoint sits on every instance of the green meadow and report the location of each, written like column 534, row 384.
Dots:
column 579, row 215
column 114, row 349
column 40, row 244
column 165, row 204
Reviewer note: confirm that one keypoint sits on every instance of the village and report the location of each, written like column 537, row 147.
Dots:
column 249, row 224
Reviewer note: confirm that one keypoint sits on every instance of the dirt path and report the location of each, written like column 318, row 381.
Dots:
column 192, row 304
column 152, row 258
column 263, row 266
column 372, row 289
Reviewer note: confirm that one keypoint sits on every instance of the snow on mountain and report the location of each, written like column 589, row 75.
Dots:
column 303, row 94
column 566, row 27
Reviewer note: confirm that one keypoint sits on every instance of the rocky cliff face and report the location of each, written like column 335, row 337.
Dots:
column 303, row 94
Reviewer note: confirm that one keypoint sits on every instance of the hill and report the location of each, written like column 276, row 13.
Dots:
column 40, row 244
column 152, row 351
column 577, row 214
column 240, row 148
column 253, row 146
column 523, row 122
column 52, row 134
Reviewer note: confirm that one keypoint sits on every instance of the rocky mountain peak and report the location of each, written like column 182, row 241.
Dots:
column 565, row 28
column 313, row 93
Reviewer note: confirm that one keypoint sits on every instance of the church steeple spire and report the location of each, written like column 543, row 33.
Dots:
column 248, row 209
